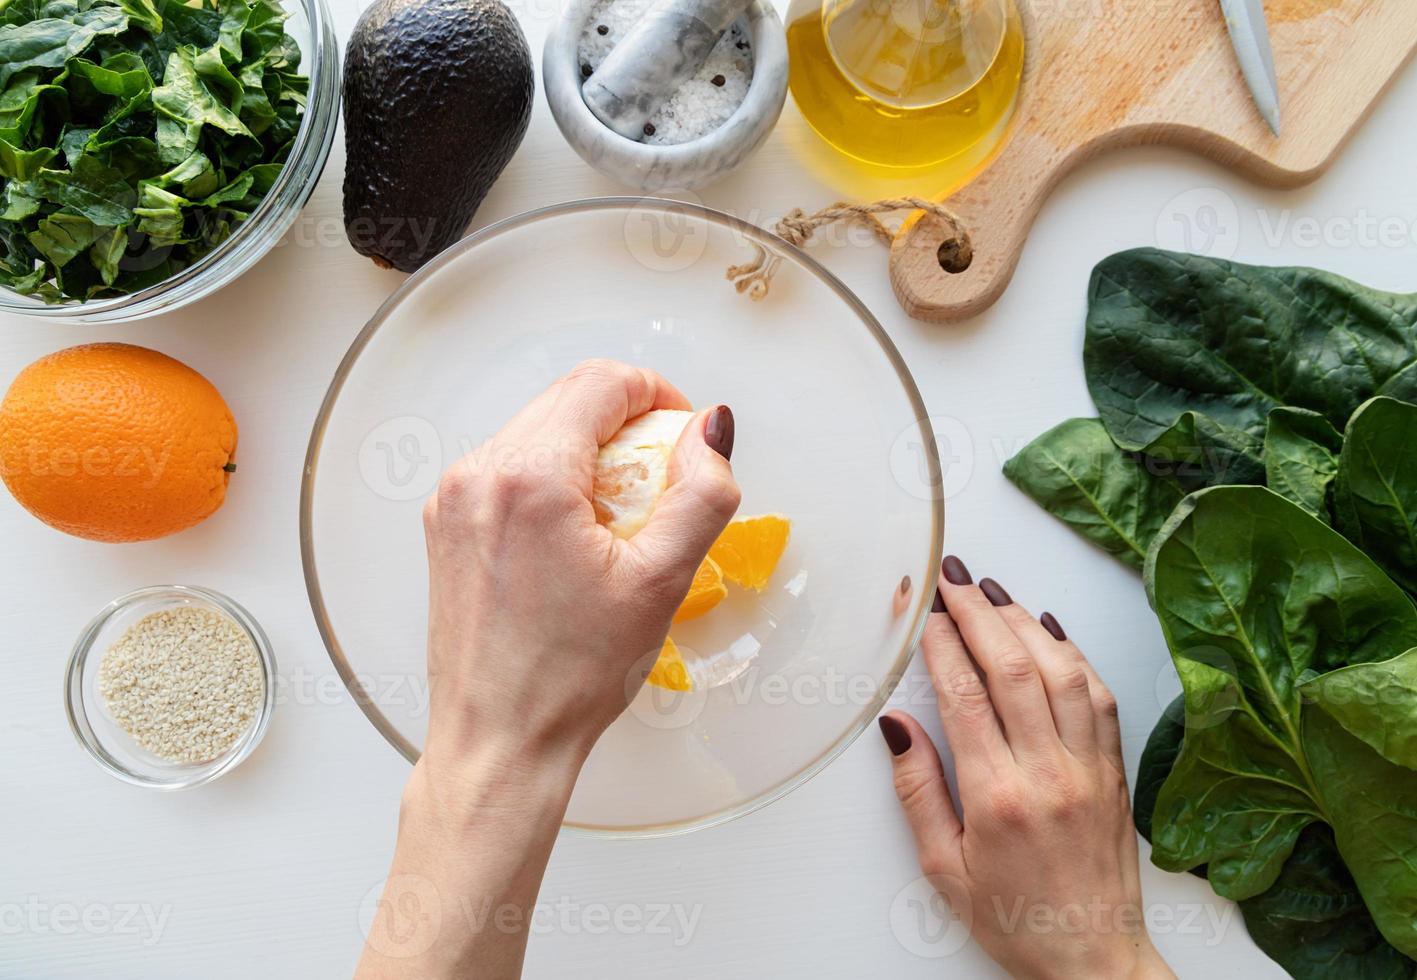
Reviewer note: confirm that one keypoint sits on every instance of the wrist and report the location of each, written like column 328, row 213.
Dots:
column 458, row 786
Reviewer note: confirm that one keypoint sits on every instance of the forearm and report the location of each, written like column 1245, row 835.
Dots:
column 475, row 833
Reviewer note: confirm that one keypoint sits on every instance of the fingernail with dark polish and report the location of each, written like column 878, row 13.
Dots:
column 718, row 431
column 994, row 592
column 1050, row 623
column 897, row 736
column 905, row 585
column 939, row 604
column 955, row 572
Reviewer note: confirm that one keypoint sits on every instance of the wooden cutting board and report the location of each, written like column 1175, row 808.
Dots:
column 1104, row 74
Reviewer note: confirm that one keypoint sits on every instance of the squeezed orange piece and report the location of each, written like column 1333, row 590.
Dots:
column 706, row 592
column 670, row 671
column 749, row 549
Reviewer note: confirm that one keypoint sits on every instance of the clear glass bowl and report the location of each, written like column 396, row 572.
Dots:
column 113, row 748
column 311, row 25
column 831, row 431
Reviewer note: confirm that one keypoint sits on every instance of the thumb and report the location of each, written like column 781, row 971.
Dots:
column 923, row 793
column 700, row 499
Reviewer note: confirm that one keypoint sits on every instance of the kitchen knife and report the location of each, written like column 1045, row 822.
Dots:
column 1249, row 34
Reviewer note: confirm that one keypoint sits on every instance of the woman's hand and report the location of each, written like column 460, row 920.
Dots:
column 537, row 614
column 542, row 626
column 1040, row 857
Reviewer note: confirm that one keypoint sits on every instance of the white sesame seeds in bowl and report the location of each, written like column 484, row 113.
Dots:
column 171, row 686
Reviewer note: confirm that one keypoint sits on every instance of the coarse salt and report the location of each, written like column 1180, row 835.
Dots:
column 699, row 106
column 185, row 683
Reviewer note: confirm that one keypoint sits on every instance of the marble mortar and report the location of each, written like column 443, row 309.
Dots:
column 684, row 166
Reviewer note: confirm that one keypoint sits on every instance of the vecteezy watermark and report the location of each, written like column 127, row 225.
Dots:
column 36, row 917
column 408, row 692
column 1208, row 221
column 404, row 915
column 933, row 916
column 402, row 458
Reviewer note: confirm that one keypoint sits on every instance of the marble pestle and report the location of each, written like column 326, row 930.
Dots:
column 668, row 45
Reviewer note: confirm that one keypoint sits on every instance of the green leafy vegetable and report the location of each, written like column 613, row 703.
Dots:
column 1312, row 921
column 1372, row 807
column 135, row 136
column 1375, row 497
column 1169, row 334
column 1108, row 496
column 1255, row 597
column 1377, row 702
column 1301, row 457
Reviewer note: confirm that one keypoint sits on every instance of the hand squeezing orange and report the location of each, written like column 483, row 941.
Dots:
column 631, row 474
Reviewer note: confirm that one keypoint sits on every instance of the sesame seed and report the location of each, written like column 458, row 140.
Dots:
column 185, row 683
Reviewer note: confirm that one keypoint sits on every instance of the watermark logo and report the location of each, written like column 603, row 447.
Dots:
column 1201, row 221
column 401, row 459
column 665, row 237
column 932, row 917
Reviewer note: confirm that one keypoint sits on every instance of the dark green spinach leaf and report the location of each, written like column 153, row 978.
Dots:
column 135, row 136
column 1255, row 597
column 1301, row 458
column 1170, row 333
column 1375, row 496
column 1108, row 496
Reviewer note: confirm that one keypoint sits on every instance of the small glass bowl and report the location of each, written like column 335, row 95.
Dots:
column 113, row 748
column 312, row 27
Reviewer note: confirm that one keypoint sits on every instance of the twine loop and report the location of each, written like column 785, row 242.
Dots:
column 797, row 227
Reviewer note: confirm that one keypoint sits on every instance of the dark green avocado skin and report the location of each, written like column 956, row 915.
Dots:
column 437, row 96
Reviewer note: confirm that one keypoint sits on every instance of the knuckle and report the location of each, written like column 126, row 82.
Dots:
column 965, row 693
column 1105, row 702
column 1015, row 665
column 912, row 786
column 455, row 493
column 1074, row 682
column 597, row 371
column 722, row 494
column 1009, row 806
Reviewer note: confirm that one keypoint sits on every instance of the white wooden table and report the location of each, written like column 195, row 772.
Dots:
column 264, row 873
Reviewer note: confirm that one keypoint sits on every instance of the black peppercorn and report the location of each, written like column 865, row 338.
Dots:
column 718, row 80
column 649, row 129
column 586, row 71
column 602, row 30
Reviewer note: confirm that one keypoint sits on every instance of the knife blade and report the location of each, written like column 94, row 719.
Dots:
column 1249, row 35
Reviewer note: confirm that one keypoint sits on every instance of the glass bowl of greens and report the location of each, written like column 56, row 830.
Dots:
column 151, row 151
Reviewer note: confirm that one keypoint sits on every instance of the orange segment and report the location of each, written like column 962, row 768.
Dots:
column 748, row 550
column 706, row 592
column 670, row 672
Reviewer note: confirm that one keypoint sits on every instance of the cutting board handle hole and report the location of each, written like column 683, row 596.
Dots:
column 954, row 255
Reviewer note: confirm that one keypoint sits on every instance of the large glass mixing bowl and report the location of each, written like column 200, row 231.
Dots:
column 831, row 432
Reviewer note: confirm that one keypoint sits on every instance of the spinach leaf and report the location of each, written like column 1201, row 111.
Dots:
column 63, row 235
column 1170, row 333
column 91, row 189
column 1377, row 702
column 185, row 104
column 1375, row 496
column 1373, row 804
column 1255, row 597
column 1108, row 496
column 50, row 42
column 1301, row 457
column 136, row 135
column 1313, row 921
column 1157, row 761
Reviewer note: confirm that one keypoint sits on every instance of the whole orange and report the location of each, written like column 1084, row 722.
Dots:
column 113, row 442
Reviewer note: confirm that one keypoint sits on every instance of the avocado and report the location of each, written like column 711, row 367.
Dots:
column 437, row 96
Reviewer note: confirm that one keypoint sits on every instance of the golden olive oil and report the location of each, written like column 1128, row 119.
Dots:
column 908, row 83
